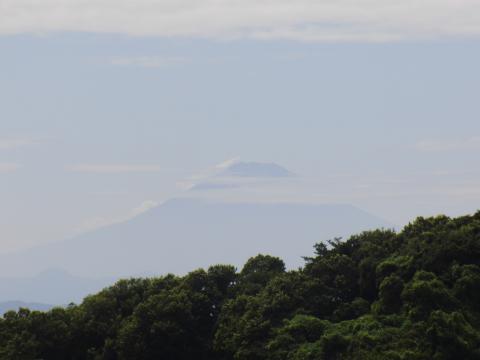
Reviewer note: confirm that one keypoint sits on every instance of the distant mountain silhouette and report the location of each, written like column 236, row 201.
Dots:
column 184, row 234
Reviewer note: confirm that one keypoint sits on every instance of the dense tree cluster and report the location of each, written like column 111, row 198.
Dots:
column 378, row 295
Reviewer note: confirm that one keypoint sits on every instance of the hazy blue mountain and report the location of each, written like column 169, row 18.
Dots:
column 184, row 234
column 15, row 305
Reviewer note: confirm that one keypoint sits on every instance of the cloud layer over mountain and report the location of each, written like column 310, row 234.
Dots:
column 234, row 174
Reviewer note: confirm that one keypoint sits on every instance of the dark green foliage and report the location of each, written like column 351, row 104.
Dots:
column 389, row 294
column 258, row 271
column 379, row 295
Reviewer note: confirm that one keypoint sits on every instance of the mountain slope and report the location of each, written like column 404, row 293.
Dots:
column 183, row 234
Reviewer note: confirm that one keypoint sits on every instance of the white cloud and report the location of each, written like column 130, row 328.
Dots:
column 143, row 207
column 14, row 143
column 207, row 173
column 99, row 222
column 113, row 168
column 209, row 186
column 472, row 143
column 227, row 163
column 304, row 20
column 8, row 168
column 149, row 61
column 93, row 224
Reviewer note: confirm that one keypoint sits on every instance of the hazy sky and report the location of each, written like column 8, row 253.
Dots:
column 110, row 107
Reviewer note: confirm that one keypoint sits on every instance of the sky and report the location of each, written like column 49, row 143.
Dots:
column 110, row 108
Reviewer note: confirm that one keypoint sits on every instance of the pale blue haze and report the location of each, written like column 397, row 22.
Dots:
column 392, row 128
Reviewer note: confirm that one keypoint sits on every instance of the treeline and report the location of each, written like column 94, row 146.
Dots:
column 378, row 295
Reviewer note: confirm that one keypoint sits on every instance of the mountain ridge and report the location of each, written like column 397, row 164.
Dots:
column 199, row 232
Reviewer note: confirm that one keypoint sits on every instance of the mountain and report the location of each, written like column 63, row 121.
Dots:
column 234, row 174
column 184, row 234
column 381, row 295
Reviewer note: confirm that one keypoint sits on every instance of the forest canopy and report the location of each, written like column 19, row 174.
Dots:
column 380, row 294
